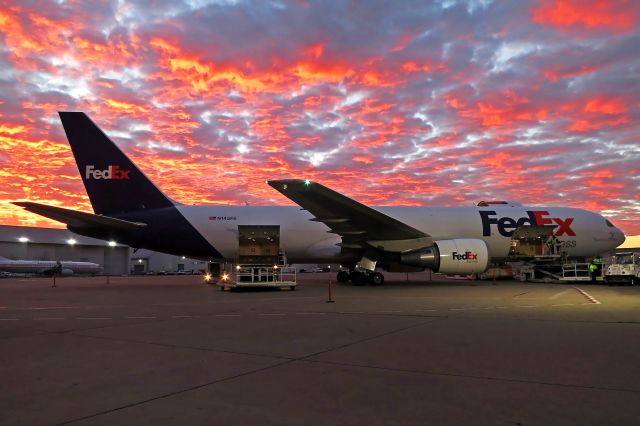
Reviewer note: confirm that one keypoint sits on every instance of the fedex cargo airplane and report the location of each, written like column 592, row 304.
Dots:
column 330, row 227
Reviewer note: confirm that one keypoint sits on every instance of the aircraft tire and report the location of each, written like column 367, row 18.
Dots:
column 376, row 278
column 342, row 277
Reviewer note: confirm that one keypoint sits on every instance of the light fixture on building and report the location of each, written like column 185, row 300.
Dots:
column 23, row 239
column 112, row 243
column 71, row 241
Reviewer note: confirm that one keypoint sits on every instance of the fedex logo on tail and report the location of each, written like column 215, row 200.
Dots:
column 112, row 172
column 507, row 225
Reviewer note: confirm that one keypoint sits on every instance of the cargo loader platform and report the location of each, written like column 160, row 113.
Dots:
column 256, row 276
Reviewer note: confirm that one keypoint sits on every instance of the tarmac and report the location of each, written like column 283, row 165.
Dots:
column 423, row 350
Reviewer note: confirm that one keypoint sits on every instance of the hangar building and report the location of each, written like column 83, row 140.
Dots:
column 31, row 243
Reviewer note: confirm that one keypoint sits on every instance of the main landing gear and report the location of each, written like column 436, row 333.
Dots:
column 361, row 277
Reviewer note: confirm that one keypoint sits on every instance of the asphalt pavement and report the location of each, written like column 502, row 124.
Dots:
column 418, row 350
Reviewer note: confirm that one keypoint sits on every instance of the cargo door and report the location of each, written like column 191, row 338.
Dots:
column 530, row 241
column 258, row 244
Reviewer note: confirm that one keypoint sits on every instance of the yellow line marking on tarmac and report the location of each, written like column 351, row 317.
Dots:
column 564, row 304
column 527, row 306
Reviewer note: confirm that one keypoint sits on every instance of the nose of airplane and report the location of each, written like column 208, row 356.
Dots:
column 620, row 238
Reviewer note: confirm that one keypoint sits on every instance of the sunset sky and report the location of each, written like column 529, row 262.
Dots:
column 392, row 103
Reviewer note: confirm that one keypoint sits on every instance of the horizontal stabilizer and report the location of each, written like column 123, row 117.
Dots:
column 77, row 219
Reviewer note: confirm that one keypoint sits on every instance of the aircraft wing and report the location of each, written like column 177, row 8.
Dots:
column 79, row 219
column 353, row 221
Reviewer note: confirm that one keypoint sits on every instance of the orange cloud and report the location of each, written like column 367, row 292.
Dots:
column 11, row 130
column 125, row 107
column 606, row 106
column 617, row 16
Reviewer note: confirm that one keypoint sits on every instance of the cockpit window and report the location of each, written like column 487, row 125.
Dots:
column 609, row 223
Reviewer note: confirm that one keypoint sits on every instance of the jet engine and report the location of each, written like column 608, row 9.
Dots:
column 458, row 256
column 65, row 272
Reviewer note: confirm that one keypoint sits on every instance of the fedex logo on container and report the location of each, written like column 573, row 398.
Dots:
column 112, row 172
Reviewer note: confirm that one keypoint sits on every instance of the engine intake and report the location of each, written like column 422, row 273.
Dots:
column 458, row 256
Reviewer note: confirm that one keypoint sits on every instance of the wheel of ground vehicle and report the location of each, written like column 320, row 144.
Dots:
column 376, row 278
column 358, row 278
column 342, row 277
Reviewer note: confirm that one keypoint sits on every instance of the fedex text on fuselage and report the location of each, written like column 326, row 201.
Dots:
column 507, row 225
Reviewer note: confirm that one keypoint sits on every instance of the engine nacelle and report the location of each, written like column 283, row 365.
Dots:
column 458, row 256
column 65, row 272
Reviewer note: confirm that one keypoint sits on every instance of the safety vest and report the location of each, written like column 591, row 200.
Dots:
column 593, row 267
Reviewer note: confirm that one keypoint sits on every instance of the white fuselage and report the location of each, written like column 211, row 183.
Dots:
column 45, row 266
column 581, row 233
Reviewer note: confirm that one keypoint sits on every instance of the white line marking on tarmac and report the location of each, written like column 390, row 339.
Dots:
column 48, row 307
column 351, row 312
column 93, row 318
column 182, row 316
column 4, row 307
column 555, row 296
column 426, row 310
column 458, row 309
column 142, row 317
column 589, row 297
column 388, row 312
column 48, row 319
column 272, row 315
column 227, row 315
column 310, row 313
column 527, row 306
column 9, row 319
column 502, row 307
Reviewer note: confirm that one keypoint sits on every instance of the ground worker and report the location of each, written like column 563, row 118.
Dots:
column 552, row 243
column 593, row 270
column 599, row 263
